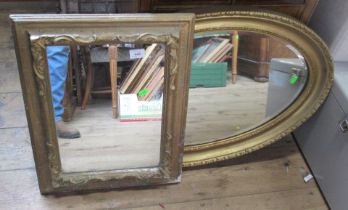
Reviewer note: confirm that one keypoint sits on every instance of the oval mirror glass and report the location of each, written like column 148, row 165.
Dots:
column 239, row 80
column 255, row 77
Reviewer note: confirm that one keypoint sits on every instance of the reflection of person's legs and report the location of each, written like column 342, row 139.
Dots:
column 58, row 58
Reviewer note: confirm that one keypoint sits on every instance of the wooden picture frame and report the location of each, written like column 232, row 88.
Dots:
column 34, row 32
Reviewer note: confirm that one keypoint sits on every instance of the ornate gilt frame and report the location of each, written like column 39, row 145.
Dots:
column 34, row 32
column 319, row 82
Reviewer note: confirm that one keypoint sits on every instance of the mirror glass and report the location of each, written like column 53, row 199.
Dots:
column 116, row 122
column 240, row 80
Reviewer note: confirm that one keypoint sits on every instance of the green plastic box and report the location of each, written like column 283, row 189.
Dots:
column 208, row 75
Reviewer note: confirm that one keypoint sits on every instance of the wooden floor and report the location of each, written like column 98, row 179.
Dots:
column 221, row 112
column 271, row 178
column 213, row 113
column 108, row 144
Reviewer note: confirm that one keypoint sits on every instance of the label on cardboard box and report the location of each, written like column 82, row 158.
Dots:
column 131, row 109
column 136, row 53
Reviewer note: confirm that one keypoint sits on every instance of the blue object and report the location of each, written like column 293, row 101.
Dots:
column 57, row 58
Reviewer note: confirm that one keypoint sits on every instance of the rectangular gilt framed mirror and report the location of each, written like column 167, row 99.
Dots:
column 105, row 97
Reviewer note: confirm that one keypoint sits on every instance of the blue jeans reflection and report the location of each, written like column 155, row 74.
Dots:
column 58, row 59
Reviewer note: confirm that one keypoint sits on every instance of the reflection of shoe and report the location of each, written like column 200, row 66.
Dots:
column 66, row 132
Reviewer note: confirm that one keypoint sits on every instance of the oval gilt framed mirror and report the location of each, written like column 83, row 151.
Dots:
column 255, row 77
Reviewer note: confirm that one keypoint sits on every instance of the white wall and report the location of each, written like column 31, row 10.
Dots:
column 330, row 21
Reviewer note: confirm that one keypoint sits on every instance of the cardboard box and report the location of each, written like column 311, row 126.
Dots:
column 131, row 109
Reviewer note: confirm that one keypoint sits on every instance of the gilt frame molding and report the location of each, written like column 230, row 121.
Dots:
column 34, row 32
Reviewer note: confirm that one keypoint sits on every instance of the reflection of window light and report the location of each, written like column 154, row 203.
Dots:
column 298, row 54
column 211, row 34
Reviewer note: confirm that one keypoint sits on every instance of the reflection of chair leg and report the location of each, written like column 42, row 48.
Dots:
column 235, row 40
column 68, row 100
column 77, row 74
column 89, row 80
column 113, row 78
column 263, row 67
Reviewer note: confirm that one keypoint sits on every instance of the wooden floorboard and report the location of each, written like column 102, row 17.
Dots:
column 15, row 149
column 9, row 83
column 217, row 113
column 12, row 110
column 206, row 184
column 302, row 199
column 271, row 178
